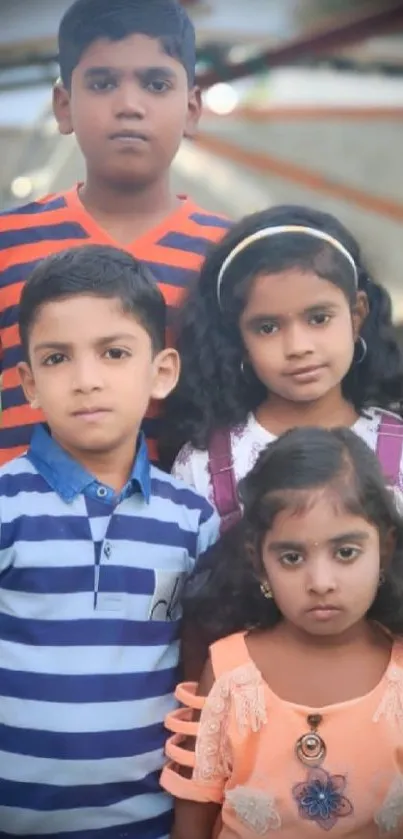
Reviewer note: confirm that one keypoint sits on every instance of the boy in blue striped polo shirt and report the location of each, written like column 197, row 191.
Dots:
column 95, row 546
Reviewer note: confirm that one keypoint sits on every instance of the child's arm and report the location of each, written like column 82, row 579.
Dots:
column 194, row 652
column 196, row 819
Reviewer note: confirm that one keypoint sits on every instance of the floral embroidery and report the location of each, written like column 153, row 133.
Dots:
column 183, row 457
column 390, row 816
column 244, row 687
column 320, row 798
column 238, row 431
column 254, row 808
column 391, row 705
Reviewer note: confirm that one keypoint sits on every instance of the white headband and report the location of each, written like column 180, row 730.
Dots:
column 266, row 232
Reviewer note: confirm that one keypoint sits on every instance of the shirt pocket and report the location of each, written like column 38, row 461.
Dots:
column 166, row 601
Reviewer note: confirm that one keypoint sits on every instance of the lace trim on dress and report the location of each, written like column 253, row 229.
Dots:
column 243, row 688
column 391, row 705
column 390, row 816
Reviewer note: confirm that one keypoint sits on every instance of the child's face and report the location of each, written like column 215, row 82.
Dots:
column 93, row 372
column 299, row 333
column 129, row 106
column 323, row 565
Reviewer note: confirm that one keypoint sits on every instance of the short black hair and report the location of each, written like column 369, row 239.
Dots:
column 100, row 271
column 87, row 21
column 224, row 595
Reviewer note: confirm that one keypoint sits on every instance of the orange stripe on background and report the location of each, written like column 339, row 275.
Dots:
column 11, row 379
column 49, row 218
column 173, row 295
column 10, row 337
column 20, row 415
column 19, row 254
column 9, row 454
column 10, row 295
column 171, row 257
column 267, row 164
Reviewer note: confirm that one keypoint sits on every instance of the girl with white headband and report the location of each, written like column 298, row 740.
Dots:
column 285, row 328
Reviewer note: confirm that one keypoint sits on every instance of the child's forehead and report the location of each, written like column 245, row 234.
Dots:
column 86, row 313
column 133, row 51
column 319, row 515
column 331, row 500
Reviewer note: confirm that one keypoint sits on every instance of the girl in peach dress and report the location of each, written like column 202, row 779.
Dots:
column 296, row 727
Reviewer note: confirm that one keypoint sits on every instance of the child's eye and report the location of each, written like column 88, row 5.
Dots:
column 158, row 86
column 348, row 553
column 268, row 328
column 319, row 319
column 115, row 353
column 102, row 85
column 55, row 358
column 291, row 558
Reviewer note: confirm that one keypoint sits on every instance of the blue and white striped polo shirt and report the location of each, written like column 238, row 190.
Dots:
column 89, row 619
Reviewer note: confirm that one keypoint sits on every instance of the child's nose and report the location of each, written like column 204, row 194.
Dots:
column 297, row 341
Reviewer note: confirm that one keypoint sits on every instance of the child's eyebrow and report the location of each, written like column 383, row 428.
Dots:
column 51, row 345
column 351, row 536
column 141, row 72
column 261, row 317
column 60, row 346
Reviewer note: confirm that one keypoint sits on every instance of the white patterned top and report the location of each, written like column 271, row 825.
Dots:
column 248, row 440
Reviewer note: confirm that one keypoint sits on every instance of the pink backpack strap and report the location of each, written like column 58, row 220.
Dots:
column 389, row 447
column 223, row 480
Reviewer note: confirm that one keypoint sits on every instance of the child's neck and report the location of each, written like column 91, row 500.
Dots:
column 277, row 415
column 363, row 633
column 110, row 468
column 127, row 214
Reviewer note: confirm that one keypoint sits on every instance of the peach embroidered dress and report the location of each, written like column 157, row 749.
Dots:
column 245, row 757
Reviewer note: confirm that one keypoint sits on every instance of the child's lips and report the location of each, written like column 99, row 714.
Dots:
column 129, row 137
column 90, row 414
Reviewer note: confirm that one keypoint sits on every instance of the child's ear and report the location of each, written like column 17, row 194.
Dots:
column 194, row 113
column 61, row 108
column 360, row 313
column 28, row 384
column 166, row 369
column 388, row 547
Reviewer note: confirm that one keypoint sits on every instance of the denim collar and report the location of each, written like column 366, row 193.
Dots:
column 68, row 478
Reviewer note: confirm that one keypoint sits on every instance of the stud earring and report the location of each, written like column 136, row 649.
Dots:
column 266, row 591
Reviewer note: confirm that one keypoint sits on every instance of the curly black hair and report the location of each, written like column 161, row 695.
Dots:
column 223, row 595
column 212, row 390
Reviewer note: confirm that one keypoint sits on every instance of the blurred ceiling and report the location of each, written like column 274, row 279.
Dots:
column 236, row 39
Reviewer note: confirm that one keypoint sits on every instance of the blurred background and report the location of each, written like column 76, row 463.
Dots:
column 303, row 103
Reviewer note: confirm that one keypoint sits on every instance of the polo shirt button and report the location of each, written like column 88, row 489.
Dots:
column 101, row 492
column 108, row 550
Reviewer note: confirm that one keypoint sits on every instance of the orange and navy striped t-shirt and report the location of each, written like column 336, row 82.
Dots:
column 173, row 250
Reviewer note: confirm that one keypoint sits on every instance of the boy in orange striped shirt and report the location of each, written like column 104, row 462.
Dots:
column 128, row 92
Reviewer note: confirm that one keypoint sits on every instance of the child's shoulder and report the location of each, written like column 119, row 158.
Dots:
column 16, row 468
column 171, row 487
column 17, row 476
column 28, row 213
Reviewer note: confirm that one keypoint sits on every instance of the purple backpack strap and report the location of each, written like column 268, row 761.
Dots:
column 389, row 447
column 223, row 480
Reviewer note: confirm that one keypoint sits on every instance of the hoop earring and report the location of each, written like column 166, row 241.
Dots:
column 266, row 591
column 364, row 349
column 382, row 578
column 242, row 368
